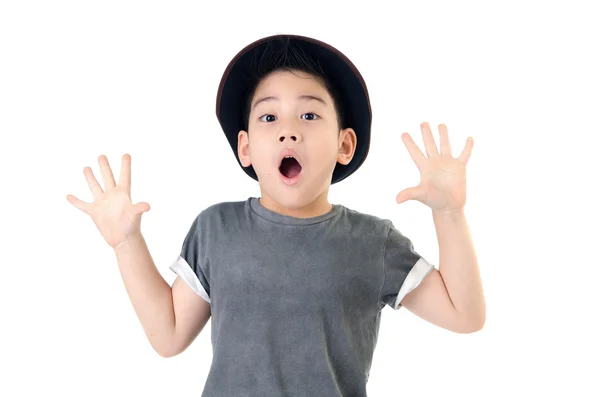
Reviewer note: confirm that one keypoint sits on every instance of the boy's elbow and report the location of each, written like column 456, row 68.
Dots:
column 164, row 353
column 165, row 349
column 473, row 324
column 472, row 328
column 167, row 353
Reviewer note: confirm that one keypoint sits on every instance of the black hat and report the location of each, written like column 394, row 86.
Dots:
column 238, row 81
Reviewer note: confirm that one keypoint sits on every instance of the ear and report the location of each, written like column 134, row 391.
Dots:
column 243, row 150
column 346, row 146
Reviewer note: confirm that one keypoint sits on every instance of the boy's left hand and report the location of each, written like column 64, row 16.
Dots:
column 443, row 177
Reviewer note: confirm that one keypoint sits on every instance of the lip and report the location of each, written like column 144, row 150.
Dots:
column 285, row 153
column 288, row 152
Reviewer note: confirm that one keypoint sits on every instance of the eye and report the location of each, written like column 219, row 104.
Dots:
column 272, row 118
column 312, row 116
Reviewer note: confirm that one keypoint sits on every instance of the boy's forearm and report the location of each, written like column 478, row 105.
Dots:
column 149, row 293
column 458, row 266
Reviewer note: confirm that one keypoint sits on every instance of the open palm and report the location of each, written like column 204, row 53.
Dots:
column 443, row 177
column 112, row 210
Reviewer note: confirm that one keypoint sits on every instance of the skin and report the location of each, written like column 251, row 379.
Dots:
column 309, row 126
column 173, row 316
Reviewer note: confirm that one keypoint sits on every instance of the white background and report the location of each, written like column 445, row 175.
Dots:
column 79, row 79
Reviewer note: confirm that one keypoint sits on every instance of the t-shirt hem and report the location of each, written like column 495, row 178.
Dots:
column 418, row 272
column 185, row 272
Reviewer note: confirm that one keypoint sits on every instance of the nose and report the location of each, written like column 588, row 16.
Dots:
column 290, row 137
column 290, row 130
column 287, row 134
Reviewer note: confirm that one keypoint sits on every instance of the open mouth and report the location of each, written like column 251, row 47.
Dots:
column 290, row 167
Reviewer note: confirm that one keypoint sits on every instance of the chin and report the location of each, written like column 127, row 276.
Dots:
column 294, row 198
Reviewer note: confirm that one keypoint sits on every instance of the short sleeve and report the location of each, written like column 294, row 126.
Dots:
column 191, row 264
column 403, row 268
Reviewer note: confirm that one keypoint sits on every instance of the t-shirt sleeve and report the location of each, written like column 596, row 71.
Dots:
column 403, row 268
column 191, row 264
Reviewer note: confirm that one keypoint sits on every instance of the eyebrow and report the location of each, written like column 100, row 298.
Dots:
column 302, row 97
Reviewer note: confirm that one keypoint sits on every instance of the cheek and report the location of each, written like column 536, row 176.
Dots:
column 259, row 152
column 326, row 150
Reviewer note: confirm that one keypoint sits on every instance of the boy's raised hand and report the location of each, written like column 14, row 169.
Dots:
column 443, row 177
column 112, row 210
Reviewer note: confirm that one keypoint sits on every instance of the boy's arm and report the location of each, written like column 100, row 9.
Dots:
column 191, row 315
column 452, row 297
column 171, row 317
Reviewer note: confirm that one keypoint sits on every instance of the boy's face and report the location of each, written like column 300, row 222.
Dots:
column 292, row 114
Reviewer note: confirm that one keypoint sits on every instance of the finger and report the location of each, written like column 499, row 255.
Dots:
column 107, row 175
column 412, row 193
column 137, row 210
column 466, row 153
column 81, row 205
column 125, row 177
column 414, row 151
column 430, row 146
column 92, row 182
column 140, row 208
column 445, row 149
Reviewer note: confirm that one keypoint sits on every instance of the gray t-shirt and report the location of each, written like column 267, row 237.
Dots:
column 295, row 303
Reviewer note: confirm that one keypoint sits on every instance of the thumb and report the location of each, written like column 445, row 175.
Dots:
column 412, row 193
column 140, row 208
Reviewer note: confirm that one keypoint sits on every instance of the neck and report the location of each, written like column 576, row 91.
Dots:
column 317, row 207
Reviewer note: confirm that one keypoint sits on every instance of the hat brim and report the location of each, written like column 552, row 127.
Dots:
column 342, row 74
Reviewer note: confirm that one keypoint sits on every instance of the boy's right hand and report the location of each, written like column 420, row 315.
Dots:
column 113, row 212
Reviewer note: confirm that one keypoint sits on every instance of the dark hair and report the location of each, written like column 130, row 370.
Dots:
column 282, row 55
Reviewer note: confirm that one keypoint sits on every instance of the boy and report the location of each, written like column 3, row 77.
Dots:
column 295, row 285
